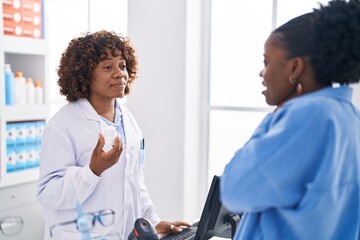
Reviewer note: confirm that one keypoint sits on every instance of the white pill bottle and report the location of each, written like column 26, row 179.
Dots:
column 109, row 133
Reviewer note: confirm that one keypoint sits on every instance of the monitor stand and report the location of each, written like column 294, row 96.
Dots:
column 231, row 222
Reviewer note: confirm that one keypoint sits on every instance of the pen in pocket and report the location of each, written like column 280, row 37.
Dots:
column 142, row 150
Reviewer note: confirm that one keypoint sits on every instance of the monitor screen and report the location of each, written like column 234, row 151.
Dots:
column 215, row 219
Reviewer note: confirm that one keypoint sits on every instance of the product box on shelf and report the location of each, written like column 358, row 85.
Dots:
column 23, row 18
column 23, row 142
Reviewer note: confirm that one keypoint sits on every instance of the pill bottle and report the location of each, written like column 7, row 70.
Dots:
column 20, row 83
column 38, row 93
column 30, row 91
column 109, row 133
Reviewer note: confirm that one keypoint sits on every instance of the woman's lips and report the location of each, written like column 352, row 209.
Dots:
column 118, row 85
column 264, row 88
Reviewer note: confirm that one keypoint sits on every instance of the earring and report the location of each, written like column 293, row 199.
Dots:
column 292, row 80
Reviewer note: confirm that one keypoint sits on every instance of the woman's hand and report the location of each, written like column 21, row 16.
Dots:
column 165, row 227
column 101, row 160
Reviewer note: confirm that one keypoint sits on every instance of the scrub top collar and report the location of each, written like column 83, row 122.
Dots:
column 342, row 92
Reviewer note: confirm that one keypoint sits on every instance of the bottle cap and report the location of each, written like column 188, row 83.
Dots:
column 37, row 84
column 29, row 80
column 18, row 74
column 7, row 68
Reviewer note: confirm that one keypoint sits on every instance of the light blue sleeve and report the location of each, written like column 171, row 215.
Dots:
column 272, row 168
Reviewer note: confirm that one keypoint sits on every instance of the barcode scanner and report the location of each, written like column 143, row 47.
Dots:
column 143, row 230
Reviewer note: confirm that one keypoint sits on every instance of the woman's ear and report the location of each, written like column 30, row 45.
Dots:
column 297, row 67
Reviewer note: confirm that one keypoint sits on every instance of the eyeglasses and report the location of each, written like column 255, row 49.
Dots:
column 11, row 225
column 86, row 222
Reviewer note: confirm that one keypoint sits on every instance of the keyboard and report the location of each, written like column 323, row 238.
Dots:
column 186, row 233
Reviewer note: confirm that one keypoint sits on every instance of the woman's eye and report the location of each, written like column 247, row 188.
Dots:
column 123, row 67
column 107, row 68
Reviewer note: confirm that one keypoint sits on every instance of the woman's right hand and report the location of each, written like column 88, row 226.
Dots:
column 101, row 160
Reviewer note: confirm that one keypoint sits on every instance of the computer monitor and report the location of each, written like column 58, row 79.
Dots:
column 215, row 219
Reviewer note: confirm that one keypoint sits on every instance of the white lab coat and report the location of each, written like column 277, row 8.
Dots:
column 65, row 177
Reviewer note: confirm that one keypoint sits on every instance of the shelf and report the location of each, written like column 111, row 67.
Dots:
column 29, row 64
column 19, row 177
column 13, row 44
column 25, row 113
column 29, row 56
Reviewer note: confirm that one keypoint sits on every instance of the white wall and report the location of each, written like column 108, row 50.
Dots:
column 356, row 95
column 165, row 101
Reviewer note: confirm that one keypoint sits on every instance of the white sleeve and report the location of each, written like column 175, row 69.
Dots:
column 61, row 182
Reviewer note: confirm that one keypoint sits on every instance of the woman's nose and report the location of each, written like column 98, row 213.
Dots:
column 261, row 73
column 119, row 72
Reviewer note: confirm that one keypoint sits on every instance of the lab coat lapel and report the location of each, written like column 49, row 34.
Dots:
column 89, row 111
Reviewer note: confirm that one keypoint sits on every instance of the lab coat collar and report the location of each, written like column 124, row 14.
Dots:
column 89, row 110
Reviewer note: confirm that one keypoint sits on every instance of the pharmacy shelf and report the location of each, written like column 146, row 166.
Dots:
column 19, row 177
column 20, row 45
column 24, row 113
column 18, row 114
column 30, row 56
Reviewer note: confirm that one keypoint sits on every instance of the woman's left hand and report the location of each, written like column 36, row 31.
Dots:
column 165, row 227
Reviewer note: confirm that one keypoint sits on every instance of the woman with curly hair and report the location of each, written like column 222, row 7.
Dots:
column 298, row 177
column 94, row 71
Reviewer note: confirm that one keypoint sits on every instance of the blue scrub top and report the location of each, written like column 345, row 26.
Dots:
column 298, row 175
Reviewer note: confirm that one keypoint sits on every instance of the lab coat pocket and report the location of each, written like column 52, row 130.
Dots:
column 132, row 162
column 142, row 156
column 142, row 151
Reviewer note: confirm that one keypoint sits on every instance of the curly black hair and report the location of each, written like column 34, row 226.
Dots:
column 82, row 56
column 330, row 37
